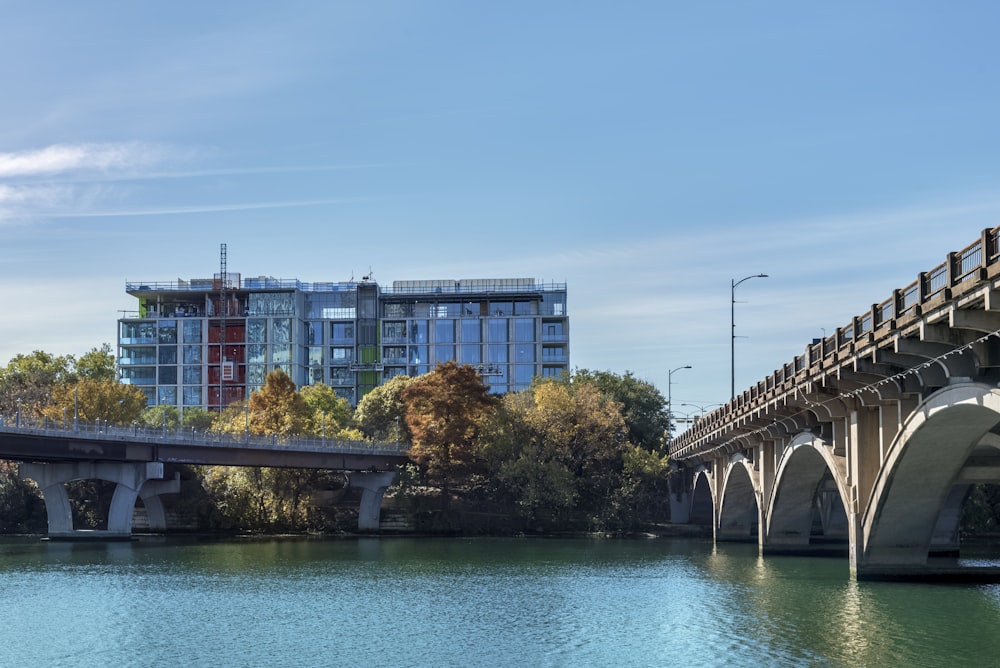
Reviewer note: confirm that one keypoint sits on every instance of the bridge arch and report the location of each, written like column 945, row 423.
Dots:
column 702, row 495
column 915, row 497
column 739, row 511
column 809, row 491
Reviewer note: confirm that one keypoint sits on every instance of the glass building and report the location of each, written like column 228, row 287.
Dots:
column 210, row 342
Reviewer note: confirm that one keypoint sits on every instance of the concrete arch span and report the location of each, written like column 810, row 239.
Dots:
column 809, row 497
column 739, row 510
column 918, row 494
column 702, row 495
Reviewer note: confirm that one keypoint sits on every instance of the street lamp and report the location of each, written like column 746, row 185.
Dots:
column 732, row 341
column 702, row 409
column 670, row 382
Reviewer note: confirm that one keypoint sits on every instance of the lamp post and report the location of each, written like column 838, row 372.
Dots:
column 702, row 409
column 732, row 340
column 670, row 406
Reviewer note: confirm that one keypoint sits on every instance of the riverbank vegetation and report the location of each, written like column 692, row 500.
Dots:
column 580, row 453
column 585, row 452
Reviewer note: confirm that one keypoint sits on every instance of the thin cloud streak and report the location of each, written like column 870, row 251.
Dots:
column 62, row 158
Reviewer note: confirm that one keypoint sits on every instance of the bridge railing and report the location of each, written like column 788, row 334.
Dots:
column 100, row 430
column 961, row 272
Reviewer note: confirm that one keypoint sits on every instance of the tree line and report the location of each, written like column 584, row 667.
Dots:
column 583, row 452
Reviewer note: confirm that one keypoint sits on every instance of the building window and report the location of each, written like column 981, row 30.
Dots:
column 167, row 375
column 418, row 355
column 418, row 331
column 256, row 331
column 497, row 330
column 167, row 355
column 314, row 333
column 524, row 352
column 342, row 332
column 444, row 331
column 192, row 354
column 341, row 355
column 496, row 354
column 192, row 375
column 192, row 331
column 192, row 396
column 281, row 353
column 524, row 329
column 471, row 331
column 472, row 354
column 394, row 354
column 444, row 354
column 394, row 332
column 168, row 331
column 167, row 395
column 341, row 376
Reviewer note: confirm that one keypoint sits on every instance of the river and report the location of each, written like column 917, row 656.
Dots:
column 470, row 602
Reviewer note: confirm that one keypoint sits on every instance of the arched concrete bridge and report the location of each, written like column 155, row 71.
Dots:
column 872, row 439
column 54, row 454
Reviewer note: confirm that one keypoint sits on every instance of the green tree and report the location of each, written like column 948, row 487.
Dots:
column 155, row 417
column 643, row 406
column 97, row 364
column 27, row 381
column 557, row 451
column 199, row 419
column 444, row 411
column 381, row 413
column 328, row 413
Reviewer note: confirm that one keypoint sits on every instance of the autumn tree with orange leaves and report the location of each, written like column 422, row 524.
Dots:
column 444, row 412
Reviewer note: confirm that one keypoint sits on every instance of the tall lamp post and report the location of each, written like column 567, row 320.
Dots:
column 732, row 340
column 670, row 406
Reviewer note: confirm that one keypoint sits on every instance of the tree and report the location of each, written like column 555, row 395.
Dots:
column 277, row 409
column 198, row 419
column 90, row 400
column 329, row 414
column 97, row 364
column 160, row 417
column 643, row 406
column 444, row 411
column 557, row 450
column 26, row 382
column 381, row 413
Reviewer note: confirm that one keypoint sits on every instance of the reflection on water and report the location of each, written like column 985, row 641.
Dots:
column 471, row 602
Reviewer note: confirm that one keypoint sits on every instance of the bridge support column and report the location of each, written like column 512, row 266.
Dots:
column 150, row 493
column 678, row 488
column 128, row 477
column 373, row 486
column 864, row 458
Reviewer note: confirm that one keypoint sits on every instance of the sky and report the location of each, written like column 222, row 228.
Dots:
column 648, row 154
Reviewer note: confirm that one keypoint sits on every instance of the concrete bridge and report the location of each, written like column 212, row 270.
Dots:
column 54, row 454
column 872, row 439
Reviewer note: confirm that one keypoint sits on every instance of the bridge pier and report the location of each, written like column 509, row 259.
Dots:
column 373, row 486
column 129, row 478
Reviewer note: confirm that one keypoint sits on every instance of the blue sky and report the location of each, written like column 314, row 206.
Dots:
column 646, row 153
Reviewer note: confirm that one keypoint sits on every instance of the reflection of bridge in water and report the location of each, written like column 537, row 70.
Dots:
column 872, row 439
column 54, row 454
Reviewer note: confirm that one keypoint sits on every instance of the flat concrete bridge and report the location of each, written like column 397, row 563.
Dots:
column 55, row 454
column 872, row 439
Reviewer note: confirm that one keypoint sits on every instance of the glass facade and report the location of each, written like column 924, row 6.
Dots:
column 192, row 345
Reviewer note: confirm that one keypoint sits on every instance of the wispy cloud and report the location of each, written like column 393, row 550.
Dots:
column 91, row 181
column 81, row 158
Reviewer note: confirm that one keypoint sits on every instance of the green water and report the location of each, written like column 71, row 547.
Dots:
column 471, row 602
